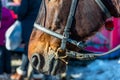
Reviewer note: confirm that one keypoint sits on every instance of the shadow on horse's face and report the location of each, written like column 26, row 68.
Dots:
column 53, row 15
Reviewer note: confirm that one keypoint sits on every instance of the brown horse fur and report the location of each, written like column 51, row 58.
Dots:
column 53, row 15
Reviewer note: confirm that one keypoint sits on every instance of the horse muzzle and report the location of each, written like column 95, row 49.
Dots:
column 47, row 64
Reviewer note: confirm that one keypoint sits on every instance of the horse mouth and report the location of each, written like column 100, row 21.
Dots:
column 47, row 64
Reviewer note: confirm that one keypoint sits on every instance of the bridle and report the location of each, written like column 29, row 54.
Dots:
column 65, row 37
column 103, row 8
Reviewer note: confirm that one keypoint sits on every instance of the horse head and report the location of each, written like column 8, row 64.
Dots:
column 45, row 51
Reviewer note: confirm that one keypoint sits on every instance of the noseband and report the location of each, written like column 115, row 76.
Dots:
column 65, row 37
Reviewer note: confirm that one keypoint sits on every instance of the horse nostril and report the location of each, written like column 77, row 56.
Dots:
column 34, row 60
column 37, row 61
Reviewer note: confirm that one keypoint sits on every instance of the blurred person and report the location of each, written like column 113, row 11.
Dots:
column 17, row 1
column 27, row 13
column 7, row 3
column 0, row 12
column 11, row 4
column 4, row 2
column 5, row 56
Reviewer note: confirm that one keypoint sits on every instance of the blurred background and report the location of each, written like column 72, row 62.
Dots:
column 104, row 68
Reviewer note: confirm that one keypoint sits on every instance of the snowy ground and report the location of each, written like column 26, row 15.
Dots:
column 97, row 70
